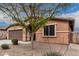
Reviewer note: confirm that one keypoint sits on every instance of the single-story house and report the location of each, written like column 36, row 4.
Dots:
column 56, row 30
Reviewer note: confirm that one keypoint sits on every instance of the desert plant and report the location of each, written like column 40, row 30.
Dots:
column 53, row 54
column 14, row 41
column 5, row 46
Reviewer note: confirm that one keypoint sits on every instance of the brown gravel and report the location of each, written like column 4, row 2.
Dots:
column 40, row 49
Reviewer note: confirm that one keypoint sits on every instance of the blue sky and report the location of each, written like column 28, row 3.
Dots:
column 73, row 8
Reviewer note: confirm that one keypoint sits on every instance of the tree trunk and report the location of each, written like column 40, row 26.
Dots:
column 32, row 37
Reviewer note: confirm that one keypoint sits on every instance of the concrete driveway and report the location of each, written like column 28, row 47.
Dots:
column 73, row 50
column 9, row 42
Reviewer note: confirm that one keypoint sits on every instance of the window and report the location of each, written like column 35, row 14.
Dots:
column 49, row 30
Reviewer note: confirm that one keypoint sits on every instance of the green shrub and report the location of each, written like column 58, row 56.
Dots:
column 5, row 46
column 14, row 41
column 53, row 54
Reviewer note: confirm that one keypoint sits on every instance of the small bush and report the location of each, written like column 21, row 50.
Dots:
column 53, row 54
column 14, row 41
column 5, row 46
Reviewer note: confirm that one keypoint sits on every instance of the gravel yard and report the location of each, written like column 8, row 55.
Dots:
column 40, row 49
column 25, row 49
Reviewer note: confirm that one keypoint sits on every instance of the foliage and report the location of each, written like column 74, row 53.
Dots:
column 14, row 41
column 5, row 46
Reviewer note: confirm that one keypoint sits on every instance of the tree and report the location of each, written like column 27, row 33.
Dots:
column 31, row 16
column 39, row 16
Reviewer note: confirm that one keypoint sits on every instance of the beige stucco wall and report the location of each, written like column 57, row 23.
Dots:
column 62, row 32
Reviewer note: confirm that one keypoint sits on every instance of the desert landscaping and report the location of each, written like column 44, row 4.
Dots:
column 40, row 49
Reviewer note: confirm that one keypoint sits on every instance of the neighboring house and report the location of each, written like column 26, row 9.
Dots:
column 3, row 33
column 56, row 30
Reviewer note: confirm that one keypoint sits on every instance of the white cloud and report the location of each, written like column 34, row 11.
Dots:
column 5, row 18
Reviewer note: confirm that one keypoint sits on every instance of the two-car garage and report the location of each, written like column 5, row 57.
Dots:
column 16, row 34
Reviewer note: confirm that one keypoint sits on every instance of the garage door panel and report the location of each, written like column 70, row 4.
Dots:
column 15, row 34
